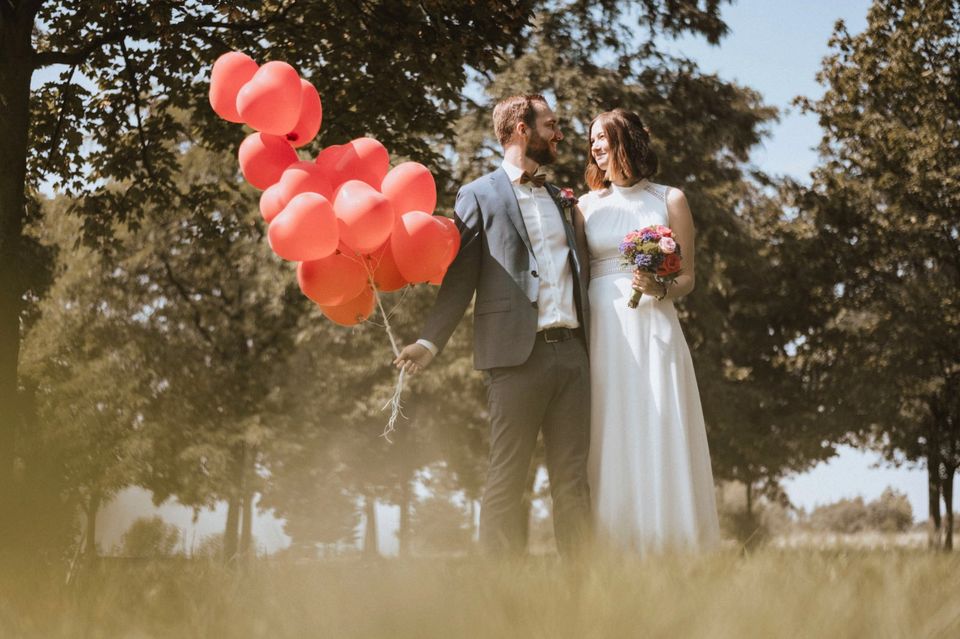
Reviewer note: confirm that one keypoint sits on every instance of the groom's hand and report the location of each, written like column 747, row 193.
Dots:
column 413, row 358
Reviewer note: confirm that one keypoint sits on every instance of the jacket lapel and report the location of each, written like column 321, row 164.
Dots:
column 508, row 202
column 567, row 226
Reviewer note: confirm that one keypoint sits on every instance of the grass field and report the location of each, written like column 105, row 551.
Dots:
column 768, row 593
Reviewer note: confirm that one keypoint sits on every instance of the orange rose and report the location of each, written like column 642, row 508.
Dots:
column 670, row 265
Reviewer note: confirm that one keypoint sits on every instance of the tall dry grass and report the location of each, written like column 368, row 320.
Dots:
column 769, row 593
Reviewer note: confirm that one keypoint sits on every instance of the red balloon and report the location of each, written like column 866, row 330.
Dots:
column 385, row 273
column 454, row 234
column 366, row 217
column 304, row 177
column 270, row 101
column 362, row 159
column 271, row 202
column 263, row 158
column 311, row 114
column 421, row 246
column 410, row 187
column 333, row 279
column 230, row 72
column 306, row 229
column 352, row 312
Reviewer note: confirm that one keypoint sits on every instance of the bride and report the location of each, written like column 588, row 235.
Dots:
column 649, row 465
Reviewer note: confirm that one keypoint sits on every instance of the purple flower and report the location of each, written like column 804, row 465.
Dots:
column 649, row 236
column 626, row 246
column 643, row 260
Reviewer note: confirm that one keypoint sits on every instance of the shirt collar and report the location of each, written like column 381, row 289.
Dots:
column 514, row 172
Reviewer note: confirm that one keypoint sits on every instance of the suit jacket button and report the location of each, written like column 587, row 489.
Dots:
column 533, row 304
column 534, row 273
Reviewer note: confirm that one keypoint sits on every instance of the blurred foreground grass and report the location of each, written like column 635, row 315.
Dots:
column 770, row 593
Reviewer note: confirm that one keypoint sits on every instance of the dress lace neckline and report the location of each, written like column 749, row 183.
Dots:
column 633, row 188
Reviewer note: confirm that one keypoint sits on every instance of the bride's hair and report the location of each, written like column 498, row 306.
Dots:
column 630, row 153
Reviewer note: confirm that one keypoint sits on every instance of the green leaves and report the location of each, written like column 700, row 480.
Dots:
column 111, row 117
column 885, row 345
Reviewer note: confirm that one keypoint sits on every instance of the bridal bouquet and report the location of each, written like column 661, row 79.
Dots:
column 653, row 250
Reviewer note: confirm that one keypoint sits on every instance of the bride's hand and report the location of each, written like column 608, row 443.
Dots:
column 647, row 284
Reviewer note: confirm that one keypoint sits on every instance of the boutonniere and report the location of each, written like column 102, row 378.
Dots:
column 567, row 199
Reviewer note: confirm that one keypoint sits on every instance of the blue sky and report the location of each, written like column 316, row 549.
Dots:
column 776, row 47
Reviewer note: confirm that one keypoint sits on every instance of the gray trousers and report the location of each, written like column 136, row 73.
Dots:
column 550, row 391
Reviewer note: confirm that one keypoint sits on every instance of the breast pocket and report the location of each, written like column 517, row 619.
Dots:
column 485, row 307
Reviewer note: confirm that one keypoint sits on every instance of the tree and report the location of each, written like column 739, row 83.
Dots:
column 878, row 239
column 441, row 526
column 221, row 312
column 87, row 376
column 889, row 513
column 150, row 537
column 102, row 131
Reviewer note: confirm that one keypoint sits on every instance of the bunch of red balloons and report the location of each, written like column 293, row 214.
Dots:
column 355, row 225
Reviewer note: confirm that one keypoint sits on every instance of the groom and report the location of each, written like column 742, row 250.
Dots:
column 518, row 254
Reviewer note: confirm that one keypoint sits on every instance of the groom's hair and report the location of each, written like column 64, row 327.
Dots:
column 511, row 111
column 630, row 152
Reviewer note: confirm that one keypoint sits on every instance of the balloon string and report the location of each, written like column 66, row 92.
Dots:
column 396, row 408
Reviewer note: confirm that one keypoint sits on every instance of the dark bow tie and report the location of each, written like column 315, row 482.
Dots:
column 537, row 180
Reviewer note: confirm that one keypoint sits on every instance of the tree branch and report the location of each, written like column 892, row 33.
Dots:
column 185, row 295
column 31, row 6
column 249, row 25
column 79, row 56
column 46, row 58
column 65, row 88
column 135, row 89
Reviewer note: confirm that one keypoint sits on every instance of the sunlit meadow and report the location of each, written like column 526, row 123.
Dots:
column 767, row 593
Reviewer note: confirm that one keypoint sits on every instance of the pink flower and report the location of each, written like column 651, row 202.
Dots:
column 667, row 245
column 664, row 231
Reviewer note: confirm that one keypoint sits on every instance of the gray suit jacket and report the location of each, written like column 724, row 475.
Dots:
column 496, row 262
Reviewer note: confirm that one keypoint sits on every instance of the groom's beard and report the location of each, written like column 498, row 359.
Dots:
column 540, row 152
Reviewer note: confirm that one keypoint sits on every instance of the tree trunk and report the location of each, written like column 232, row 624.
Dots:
column 230, row 543
column 16, row 69
column 93, row 507
column 403, row 534
column 370, row 548
column 948, row 507
column 234, row 505
column 246, row 525
column 933, row 500
column 749, row 486
column 246, row 521
column 472, row 505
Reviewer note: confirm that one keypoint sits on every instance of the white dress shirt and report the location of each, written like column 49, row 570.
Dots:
column 542, row 218
column 548, row 239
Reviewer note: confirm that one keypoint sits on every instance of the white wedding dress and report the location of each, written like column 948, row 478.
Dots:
column 649, row 468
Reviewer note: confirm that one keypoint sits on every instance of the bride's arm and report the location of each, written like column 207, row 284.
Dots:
column 680, row 220
column 580, row 229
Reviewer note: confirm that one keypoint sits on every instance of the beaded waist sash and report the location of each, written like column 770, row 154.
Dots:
column 607, row 266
